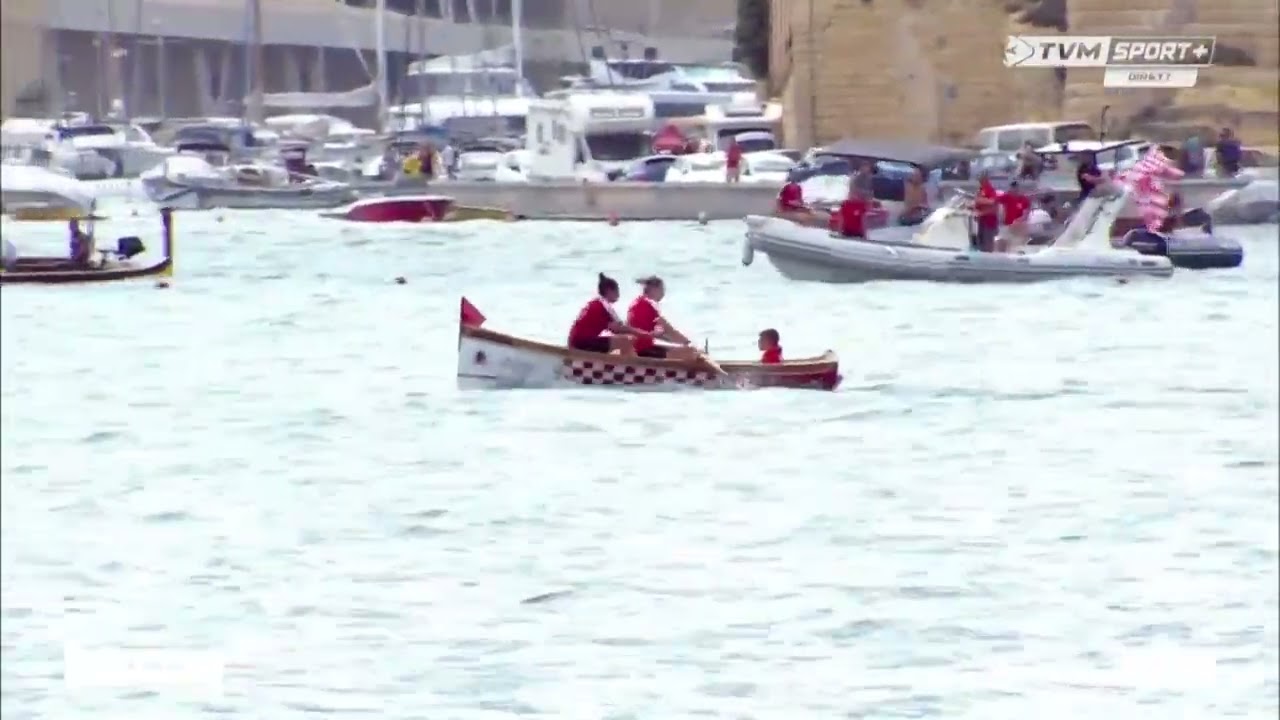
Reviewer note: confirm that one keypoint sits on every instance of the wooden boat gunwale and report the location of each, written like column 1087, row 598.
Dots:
column 827, row 362
column 164, row 266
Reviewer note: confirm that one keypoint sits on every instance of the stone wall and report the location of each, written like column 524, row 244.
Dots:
column 21, row 50
column 933, row 69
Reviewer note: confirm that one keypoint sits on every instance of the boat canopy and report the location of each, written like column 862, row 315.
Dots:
column 1086, row 147
column 920, row 154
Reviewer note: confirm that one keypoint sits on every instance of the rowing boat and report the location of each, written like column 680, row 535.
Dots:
column 491, row 360
column 61, row 270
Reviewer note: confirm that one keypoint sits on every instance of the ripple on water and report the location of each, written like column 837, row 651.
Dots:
column 1046, row 501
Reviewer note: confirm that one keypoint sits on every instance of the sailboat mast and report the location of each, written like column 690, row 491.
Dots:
column 380, row 43
column 517, row 41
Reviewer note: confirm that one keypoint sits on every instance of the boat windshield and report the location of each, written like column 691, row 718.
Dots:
column 477, row 126
column 616, row 146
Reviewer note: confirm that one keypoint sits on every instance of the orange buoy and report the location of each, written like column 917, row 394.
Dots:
column 613, row 219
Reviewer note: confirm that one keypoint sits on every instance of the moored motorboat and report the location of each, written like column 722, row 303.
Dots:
column 200, row 178
column 490, row 360
column 939, row 250
column 414, row 209
column 115, row 264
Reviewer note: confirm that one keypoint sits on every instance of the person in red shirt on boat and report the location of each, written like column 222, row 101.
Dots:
column 987, row 212
column 597, row 318
column 770, row 350
column 733, row 162
column 1015, row 207
column 791, row 198
column 645, row 315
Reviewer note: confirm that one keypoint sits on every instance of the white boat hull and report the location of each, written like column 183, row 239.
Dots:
column 815, row 254
column 198, row 196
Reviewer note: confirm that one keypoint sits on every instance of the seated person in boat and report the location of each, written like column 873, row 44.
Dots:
column 770, row 349
column 411, row 166
column 597, row 318
column 81, row 244
column 645, row 315
column 915, row 200
column 850, row 218
column 986, row 214
column 791, row 202
column 1014, row 208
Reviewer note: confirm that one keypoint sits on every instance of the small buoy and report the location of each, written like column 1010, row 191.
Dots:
column 702, row 217
column 613, row 219
column 160, row 285
column 1122, row 281
column 135, row 212
column 401, row 280
column 217, row 218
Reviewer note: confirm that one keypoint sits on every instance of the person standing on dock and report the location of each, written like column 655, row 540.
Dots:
column 733, row 162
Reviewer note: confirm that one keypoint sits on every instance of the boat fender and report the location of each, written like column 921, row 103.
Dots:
column 748, row 251
column 128, row 246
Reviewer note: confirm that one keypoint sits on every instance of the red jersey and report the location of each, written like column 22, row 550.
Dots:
column 988, row 217
column 592, row 322
column 643, row 315
column 852, row 215
column 791, row 197
column 733, row 156
column 772, row 356
column 1016, row 206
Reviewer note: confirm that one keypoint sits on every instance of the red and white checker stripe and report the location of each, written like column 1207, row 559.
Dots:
column 1145, row 181
column 597, row 372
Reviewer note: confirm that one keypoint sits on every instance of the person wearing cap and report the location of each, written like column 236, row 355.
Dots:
column 644, row 314
column 598, row 317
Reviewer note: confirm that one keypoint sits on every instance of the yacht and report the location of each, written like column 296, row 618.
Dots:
column 481, row 95
column 679, row 90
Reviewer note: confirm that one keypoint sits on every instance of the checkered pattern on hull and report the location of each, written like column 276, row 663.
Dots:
column 596, row 372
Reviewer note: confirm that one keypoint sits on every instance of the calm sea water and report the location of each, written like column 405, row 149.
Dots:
column 1055, row 501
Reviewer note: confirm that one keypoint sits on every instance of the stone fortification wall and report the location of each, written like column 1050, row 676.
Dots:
column 21, row 50
column 933, row 70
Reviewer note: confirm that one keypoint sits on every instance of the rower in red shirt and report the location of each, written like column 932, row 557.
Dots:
column 984, row 205
column 645, row 315
column 597, row 317
column 771, row 351
column 733, row 162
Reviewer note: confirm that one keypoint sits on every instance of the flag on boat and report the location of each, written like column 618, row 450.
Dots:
column 471, row 316
column 1145, row 181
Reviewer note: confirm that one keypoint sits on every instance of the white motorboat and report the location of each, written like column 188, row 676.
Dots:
column 27, row 186
column 199, row 177
column 31, row 141
column 127, row 149
column 940, row 250
column 757, row 167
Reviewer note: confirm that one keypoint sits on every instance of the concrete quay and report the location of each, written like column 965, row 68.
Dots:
column 636, row 201
column 570, row 200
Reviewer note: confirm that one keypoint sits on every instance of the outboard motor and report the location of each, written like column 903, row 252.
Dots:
column 127, row 247
column 1146, row 242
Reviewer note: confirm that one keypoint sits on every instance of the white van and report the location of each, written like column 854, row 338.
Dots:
column 1002, row 139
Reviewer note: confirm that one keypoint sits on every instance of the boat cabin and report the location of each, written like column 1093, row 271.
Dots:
column 893, row 161
column 588, row 135
column 238, row 139
column 751, row 121
column 214, row 153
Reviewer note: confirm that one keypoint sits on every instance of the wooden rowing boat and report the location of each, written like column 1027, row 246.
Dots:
column 491, row 360
column 60, row 270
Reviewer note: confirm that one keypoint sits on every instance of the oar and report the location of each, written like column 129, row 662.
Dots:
column 706, row 358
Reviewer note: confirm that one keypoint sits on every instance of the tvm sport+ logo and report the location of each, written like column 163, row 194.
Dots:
column 1134, row 62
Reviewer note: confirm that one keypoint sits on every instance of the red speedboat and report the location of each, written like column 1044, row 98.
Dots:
column 414, row 209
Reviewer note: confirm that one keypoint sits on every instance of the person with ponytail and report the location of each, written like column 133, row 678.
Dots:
column 598, row 317
column 644, row 314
